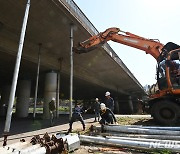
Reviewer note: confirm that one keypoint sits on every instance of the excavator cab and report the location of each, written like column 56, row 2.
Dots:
column 165, row 105
column 168, row 68
column 174, row 69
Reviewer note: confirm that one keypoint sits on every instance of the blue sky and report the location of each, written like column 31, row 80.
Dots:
column 153, row 19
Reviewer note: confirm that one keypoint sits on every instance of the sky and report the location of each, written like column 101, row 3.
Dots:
column 152, row 19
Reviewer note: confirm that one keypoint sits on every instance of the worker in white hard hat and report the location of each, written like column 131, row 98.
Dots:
column 52, row 110
column 107, row 116
column 97, row 109
column 109, row 102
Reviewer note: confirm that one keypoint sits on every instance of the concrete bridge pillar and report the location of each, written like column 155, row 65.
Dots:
column 4, row 99
column 49, row 92
column 130, row 104
column 116, row 106
column 23, row 95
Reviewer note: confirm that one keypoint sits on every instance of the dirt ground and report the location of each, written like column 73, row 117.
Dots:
column 135, row 120
column 97, row 149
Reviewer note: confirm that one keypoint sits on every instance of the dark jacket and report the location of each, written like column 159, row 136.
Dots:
column 97, row 106
column 52, row 105
column 109, row 103
column 107, row 115
column 78, row 110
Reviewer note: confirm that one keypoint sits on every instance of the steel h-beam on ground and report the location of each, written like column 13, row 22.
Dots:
column 37, row 81
column 16, row 72
column 71, row 71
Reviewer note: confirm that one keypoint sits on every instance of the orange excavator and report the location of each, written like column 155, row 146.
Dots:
column 164, row 97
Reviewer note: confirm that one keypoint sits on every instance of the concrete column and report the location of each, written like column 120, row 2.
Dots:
column 23, row 95
column 130, row 104
column 116, row 106
column 49, row 92
column 4, row 99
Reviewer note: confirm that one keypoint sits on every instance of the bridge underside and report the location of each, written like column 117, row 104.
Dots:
column 49, row 24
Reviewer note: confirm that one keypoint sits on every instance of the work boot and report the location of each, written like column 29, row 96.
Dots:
column 69, row 131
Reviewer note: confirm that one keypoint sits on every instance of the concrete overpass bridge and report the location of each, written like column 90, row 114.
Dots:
column 49, row 24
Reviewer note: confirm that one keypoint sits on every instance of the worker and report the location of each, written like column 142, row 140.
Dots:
column 107, row 116
column 175, row 72
column 109, row 102
column 52, row 109
column 141, row 106
column 97, row 109
column 77, row 116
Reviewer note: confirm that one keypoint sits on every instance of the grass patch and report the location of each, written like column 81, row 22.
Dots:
column 40, row 109
column 135, row 121
column 128, row 120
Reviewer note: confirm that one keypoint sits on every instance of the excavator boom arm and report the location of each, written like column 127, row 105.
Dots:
column 150, row 46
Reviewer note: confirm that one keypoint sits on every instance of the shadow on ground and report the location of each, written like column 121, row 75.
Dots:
column 22, row 125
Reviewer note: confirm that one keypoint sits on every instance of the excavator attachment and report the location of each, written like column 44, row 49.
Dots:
column 81, row 49
column 95, row 41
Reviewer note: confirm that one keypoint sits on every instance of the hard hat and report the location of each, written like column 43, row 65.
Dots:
column 78, row 103
column 53, row 99
column 107, row 93
column 102, row 106
column 97, row 99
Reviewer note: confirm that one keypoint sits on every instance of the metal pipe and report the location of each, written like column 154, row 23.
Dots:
column 30, row 148
column 37, row 81
column 150, row 127
column 71, row 71
column 132, row 144
column 163, row 137
column 57, row 95
column 15, row 145
column 58, row 87
column 125, row 129
column 33, row 149
column 142, row 139
column 40, row 150
column 16, row 71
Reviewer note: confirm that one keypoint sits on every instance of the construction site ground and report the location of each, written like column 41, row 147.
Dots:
column 27, row 128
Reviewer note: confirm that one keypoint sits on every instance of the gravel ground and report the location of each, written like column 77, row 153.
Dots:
column 97, row 149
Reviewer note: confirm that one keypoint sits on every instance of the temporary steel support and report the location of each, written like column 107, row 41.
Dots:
column 165, row 134
column 143, row 139
column 57, row 94
column 71, row 71
column 58, row 87
column 129, row 143
column 16, row 70
column 126, row 129
column 151, row 127
column 162, row 137
column 37, row 81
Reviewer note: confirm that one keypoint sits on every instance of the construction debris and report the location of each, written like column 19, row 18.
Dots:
column 45, row 145
column 134, row 137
